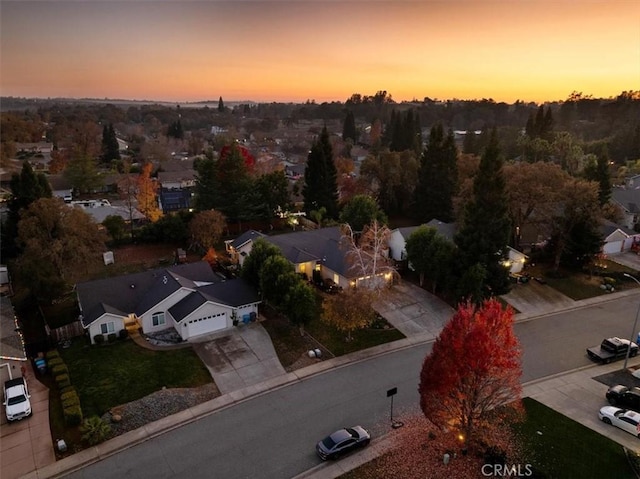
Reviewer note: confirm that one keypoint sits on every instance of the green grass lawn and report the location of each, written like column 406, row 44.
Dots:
column 568, row 449
column 335, row 341
column 112, row 374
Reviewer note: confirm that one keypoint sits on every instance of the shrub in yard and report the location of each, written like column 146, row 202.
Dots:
column 98, row 339
column 67, row 389
column 94, row 430
column 69, row 394
column 112, row 337
column 59, row 369
column 55, row 361
column 71, row 401
column 51, row 355
column 62, row 380
column 123, row 334
column 72, row 415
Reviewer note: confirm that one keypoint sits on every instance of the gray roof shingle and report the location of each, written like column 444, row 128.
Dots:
column 136, row 293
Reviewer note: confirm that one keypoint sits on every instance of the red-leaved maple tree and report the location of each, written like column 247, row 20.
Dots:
column 473, row 368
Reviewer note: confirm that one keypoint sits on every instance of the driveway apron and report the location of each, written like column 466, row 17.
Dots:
column 242, row 357
column 413, row 311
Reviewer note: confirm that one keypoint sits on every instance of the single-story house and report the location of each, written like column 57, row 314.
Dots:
column 311, row 250
column 189, row 298
column 399, row 236
column 617, row 238
column 628, row 200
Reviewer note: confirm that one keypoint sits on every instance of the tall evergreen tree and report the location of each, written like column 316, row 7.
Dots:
column 600, row 173
column 220, row 105
column 26, row 187
column 437, row 177
column 349, row 127
column 206, row 185
column 469, row 144
column 110, row 147
column 235, row 190
column 321, row 178
column 484, row 234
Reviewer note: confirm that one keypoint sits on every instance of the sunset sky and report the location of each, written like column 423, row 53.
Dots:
column 325, row 50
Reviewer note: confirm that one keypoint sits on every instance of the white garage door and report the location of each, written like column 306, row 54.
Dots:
column 197, row 327
column 612, row 247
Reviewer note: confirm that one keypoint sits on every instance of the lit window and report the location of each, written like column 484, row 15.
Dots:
column 157, row 319
column 107, row 328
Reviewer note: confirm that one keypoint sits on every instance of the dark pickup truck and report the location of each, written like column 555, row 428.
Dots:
column 612, row 349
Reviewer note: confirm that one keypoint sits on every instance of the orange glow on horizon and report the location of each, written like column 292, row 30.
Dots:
column 539, row 50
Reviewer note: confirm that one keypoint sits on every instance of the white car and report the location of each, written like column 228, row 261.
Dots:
column 16, row 399
column 622, row 418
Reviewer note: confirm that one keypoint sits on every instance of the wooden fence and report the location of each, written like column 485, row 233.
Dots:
column 67, row 331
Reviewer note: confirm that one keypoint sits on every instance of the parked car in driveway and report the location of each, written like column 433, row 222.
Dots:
column 16, row 399
column 623, row 396
column 624, row 419
column 342, row 442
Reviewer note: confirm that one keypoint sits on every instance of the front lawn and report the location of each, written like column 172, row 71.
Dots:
column 553, row 445
column 336, row 341
column 112, row 374
column 290, row 345
column 561, row 447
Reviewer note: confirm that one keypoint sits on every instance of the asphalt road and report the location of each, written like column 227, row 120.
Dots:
column 273, row 435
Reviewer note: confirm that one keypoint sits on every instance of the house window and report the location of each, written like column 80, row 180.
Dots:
column 157, row 319
column 107, row 328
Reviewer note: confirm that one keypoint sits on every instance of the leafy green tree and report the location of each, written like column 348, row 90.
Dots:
column 431, row 256
column 116, row 228
column 110, row 147
column 472, row 284
column 598, row 171
column 485, row 231
column 83, row 174
column 349, row 131
column 360, row 211
column 320, row 178
column 391, row 177
column 273, row 189
column 26, row 187
column 437, row 177
column 58, row 244
column 301, row 304
column 277, row 277
column 260, row 252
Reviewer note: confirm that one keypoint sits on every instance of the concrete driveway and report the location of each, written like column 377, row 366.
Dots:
column 533, row 298
column 628, row 259
column 243, row 357
column 413, row 311
column 26, row 445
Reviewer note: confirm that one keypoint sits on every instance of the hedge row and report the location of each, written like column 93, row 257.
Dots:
column 71, row 409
